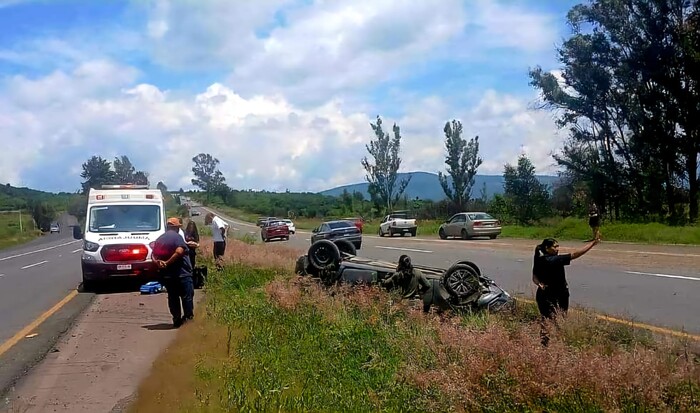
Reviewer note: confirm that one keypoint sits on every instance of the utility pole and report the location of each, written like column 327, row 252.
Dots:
column 20, row 220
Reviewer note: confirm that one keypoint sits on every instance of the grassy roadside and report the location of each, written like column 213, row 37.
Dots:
column 265, row 340
column 562, row 229
column 10, row 234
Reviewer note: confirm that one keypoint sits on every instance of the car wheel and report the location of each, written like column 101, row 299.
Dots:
column 323, row 254
column 441, row 233
column 381, row 233
column 464, row 233
column 346, row 246
column 413, row 232
column 492, row 236
column 462, row 281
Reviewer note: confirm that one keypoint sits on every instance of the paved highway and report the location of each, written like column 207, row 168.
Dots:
column 35, row 277
column 657, row 285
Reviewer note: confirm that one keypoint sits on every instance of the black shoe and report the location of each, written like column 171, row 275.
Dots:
column 187, row 319
column 177, row 322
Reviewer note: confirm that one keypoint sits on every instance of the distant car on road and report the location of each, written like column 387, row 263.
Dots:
column 340, row 229
column 54, row 228
column 262, row 220
column 274, row 229
column 470, row 224
column 398, row 223
column 359, row 222
column 290, row 225
column 195, row 213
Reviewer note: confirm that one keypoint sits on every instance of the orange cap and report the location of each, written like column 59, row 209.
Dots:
column 175, row 222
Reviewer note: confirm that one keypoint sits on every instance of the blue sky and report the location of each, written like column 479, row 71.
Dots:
column 280, row 91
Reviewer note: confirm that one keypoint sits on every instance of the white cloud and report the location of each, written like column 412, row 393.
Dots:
column 288, row 111
column 312, row 51
column 263, row 142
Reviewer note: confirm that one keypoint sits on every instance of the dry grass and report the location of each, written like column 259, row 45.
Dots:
column 460, row 363
column 177, row 381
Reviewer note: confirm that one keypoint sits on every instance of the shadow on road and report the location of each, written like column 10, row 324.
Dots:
column 159, row 326
column 113, row 286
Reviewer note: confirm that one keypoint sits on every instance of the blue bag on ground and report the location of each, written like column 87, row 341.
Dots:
column 152, row 287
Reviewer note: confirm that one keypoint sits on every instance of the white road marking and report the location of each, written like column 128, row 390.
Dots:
column 39, row 250
column 682, row 277
column 33, row 265
column 403, row 249
column 78, row 250
column 670, row 254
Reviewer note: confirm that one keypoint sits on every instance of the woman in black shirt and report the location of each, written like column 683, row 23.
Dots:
column 549, row 275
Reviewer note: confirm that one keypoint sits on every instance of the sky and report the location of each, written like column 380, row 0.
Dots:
column 281, row 92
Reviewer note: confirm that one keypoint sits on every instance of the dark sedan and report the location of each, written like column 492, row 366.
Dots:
column 334, row 230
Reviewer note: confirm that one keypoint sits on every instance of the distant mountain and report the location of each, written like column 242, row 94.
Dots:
column 426, row 185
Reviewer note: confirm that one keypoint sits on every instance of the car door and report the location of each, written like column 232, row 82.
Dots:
column 455, row 225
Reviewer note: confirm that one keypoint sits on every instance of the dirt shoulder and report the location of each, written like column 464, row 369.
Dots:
column 99, row 363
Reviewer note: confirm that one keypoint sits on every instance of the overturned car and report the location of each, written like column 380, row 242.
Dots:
column 461, row 287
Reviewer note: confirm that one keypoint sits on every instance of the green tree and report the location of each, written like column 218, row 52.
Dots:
column 382, row 175
column 462, row 162
column 124, row 171
column 630, row 71
column 140, row 178
column 162, row 187
column 43, row 214
column 96, row 172
column 527, row 197
column 208, row 177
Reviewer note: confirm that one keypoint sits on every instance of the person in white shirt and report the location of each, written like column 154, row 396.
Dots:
column 219, row 230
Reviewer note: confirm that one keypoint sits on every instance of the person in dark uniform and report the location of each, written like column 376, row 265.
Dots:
column 171, row 254
column 594, row 220
column 549, row 275
column 410, row 280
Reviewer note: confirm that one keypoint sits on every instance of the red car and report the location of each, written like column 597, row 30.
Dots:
column 359, row 222
column 274, row 229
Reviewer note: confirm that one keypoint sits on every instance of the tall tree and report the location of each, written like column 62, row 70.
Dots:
column 383, row 173
column 96, row 172
column 631, row 71
column 208, row 177
column 140, row 178
column 162, row 187
column 462, row 162
column 527, row 197
column 123, row 170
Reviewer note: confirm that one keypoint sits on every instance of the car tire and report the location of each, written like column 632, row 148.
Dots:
column 465, row 234
column 323, row 254
column 461, row 281
column 346, row 246
column 381, row 233
column 493, row 236
column 413, row 232
column 441, row 233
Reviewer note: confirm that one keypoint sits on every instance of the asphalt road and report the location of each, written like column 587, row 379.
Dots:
column 33, row 278
column 620, row 280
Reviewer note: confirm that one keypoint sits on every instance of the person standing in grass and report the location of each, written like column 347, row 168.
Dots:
column 549, row 274
column 219, row 230
column 594, row 220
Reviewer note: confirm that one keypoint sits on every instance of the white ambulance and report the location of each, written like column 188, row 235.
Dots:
column 121, row 224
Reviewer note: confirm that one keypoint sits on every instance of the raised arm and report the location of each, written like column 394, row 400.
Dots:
column 585, row 249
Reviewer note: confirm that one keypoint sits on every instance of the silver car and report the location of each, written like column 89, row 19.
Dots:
column 470, row 224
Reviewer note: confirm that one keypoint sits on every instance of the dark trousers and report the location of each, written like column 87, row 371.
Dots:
column 193, row 257
column 180, row 289
column 551, row 302
column 219, row 249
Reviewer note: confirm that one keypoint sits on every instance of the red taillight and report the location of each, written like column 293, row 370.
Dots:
column 124, row 252
column 478, row 223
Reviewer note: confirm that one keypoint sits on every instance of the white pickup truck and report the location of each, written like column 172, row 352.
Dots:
column 397, row 223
